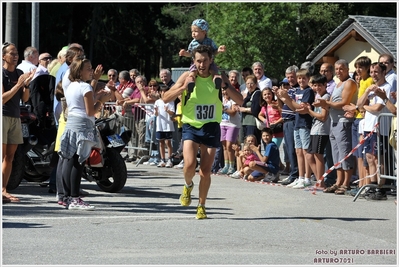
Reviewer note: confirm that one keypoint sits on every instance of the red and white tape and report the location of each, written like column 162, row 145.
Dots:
column 144, row 109
column 339, row 162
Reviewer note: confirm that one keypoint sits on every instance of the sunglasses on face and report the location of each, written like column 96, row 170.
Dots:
column 46, row 58
column 111, row 75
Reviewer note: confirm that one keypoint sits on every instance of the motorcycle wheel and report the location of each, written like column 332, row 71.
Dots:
column 18, row 169
column 32, row 175
column 117, row 180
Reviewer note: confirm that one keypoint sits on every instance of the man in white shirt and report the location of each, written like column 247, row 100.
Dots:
column 373, row 106
column 390, row 77
column 31, row 60
column 259, row 72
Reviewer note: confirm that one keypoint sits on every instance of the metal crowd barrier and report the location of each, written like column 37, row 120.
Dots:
column 387, row 158
column 142, row 113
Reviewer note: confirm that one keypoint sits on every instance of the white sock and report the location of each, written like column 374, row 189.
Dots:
column 301, row 179
column 188, row 186
column 307, row 180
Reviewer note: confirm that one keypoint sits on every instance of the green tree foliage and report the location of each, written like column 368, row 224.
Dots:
column 175, row 24
column 252, row 32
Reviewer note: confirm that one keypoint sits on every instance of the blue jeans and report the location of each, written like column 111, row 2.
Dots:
column 288, row 128
column 218, row 163
column 150, row 127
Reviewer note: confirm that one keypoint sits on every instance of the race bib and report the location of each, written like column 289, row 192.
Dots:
column 205, row 112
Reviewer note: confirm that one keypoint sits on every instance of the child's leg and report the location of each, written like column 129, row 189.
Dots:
column 319, row 158
column 361, row 170
column 213, row 69
column 170, row 149
column 191, row 78
column 308, row 170
column 301, row 162
column 162, row 149
column 311, row 161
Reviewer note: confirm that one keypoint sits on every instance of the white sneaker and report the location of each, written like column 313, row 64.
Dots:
column 169, row 164
column 236, row 175
column 294, row 183
column 79, row 204
column 302, row 184
column 180, row 165
column 161, row 164
column 154, row 163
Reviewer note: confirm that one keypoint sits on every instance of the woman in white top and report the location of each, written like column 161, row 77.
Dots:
column 80, row 135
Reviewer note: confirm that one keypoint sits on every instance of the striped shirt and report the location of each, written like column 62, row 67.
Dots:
column 286, row 112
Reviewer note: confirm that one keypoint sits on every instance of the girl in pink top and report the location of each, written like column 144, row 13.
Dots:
column 273, row 116
column 249, row 156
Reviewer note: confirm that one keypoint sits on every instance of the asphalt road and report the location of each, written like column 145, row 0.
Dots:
column 249, row 224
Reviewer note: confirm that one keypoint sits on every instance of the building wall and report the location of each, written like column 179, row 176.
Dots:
column 353, row 49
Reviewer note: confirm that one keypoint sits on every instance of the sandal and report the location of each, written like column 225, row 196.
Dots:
column 10, row 198
column 331, row 189
column 341, row 190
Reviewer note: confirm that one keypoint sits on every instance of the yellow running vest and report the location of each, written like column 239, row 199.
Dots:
column 203, row 105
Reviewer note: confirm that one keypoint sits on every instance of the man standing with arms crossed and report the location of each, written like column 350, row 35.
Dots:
column 201, row 115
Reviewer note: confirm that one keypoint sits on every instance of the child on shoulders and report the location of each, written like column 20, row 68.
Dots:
column 199, row 31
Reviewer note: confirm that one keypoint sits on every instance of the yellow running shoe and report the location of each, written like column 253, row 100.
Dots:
column 201, row 213
column 185, row 197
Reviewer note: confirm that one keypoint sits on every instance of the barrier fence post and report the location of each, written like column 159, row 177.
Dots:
column 386, row 158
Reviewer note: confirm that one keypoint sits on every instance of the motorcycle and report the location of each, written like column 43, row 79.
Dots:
column 32, row 158
column 106, row 166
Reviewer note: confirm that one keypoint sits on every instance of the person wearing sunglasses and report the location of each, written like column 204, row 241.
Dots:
column 113, row 76
column 15, row 88
column 44, row 61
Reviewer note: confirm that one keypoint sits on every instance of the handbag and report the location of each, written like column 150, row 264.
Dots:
column 259, row 124
column 276, row 128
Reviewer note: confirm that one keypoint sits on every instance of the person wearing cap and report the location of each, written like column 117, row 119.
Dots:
column 201, row 117
column 199, row 31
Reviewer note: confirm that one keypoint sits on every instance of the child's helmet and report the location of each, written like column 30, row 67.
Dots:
column 202, row 24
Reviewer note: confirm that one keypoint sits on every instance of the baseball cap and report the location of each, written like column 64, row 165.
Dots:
column 284, row 81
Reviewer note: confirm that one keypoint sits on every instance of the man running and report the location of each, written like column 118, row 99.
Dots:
column 201, row 115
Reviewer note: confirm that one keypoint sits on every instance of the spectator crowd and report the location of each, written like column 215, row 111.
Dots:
column 316, row 116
